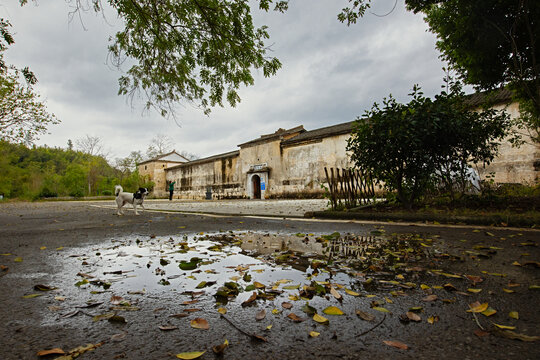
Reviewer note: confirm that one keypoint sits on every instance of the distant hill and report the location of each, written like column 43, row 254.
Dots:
column 43, row 172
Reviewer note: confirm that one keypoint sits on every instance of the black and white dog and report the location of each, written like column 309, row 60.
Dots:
column 123, row 198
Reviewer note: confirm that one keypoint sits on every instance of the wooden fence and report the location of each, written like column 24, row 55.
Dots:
column 349, row 187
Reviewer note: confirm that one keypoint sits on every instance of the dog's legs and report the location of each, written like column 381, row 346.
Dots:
column 143, row 207
column 119, row 204
column 135, row 208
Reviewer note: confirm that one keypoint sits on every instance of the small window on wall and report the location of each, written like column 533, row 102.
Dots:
column 144, row 167
column 163, row 165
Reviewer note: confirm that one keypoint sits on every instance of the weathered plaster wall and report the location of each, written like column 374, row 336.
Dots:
column 303, row 165
column 514, row 165
column 220, row 173
column 156, row 172
column 266, row 155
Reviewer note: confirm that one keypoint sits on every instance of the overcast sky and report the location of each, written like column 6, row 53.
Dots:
column 331, row 74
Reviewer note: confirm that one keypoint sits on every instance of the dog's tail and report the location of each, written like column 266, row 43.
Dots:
column 117, row 190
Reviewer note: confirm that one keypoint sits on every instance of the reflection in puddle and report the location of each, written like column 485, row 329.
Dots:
column 247, row 261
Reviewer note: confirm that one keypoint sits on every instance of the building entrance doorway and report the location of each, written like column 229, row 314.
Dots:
column 256, row 186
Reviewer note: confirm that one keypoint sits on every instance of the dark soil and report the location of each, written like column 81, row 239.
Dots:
column 49, row 238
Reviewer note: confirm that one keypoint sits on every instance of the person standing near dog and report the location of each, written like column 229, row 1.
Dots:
column 171, row 190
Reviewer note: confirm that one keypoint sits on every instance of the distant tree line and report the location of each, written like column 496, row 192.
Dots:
column 43, row 172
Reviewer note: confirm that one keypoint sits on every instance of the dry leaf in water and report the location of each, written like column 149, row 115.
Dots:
column 260, row 315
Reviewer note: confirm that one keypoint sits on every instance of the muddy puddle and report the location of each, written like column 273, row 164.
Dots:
column 231, row 265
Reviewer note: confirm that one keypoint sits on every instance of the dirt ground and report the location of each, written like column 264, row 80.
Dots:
column 52, row 244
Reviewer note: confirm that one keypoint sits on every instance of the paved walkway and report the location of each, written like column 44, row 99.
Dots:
column 286, row 208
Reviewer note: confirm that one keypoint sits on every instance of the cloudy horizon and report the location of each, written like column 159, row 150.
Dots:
column 331, row 74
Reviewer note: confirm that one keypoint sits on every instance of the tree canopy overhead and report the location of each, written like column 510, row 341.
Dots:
column 200, row 51
column 490, row 44
column 22, row 115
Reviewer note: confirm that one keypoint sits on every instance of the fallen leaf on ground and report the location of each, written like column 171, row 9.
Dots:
column 480, row 333
column 333, row 310
column 396, row 344
column 286, row 305
column 476, row 307
column 474, row 291
column 335, row 293
column 381, row 309
column 314, row 334
column 251, row 299
column 31, row 296
column 260, row 315
column 200, row 323
column 514, row 315
column 190, row 355
column 218, row 349
column 295, row 317
column 433, row 319
column 55, row 351
column 222, row 310
column 413, row 317
column 168, row 327
column 489, row 311
column 320, row 319
column 430, row 298
column 504, row 327
column 365, row 316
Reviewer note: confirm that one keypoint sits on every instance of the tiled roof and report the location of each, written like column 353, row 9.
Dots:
column 206, row 159
column 320, row 133
column 158, row 158
column 274, row 136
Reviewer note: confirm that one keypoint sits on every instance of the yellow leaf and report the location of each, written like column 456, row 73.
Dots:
column 60, row 248
column 381, row 309
column 388, row 300
column 42, row 248
column 476, row 307
column 504, row 327
column 424, row 287
column 508, row 291
column 514, row 315
column 18, row 259
column 294, row 297
column 314, row 334
column 352, row 293
column 489, row 311
column 400, row 277
column 320, row 319
column 276, row 311
column 190, row 355
column 370, row 296
column 31, row 296
column 222, row 310
column 332, row 310
column 433, row 319
column 475, row 291
column 269, row 327
column 258, row 285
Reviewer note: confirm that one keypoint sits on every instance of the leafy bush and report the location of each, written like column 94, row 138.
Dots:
column 406, row 145
column 47, row 193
